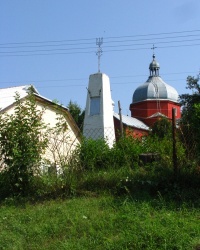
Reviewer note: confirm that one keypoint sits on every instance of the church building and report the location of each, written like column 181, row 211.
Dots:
column 154, row 98
column 151, row 101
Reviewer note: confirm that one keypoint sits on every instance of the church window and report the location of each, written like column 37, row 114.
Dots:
column 94, row 105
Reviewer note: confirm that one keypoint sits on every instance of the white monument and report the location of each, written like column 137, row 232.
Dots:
column 98, row 121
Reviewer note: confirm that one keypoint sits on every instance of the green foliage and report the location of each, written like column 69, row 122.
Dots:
column 188, row 100
column 93, row 154
column 22, row 142
column 125, row 152
column 77, row 113
column 191, row 117
column 93, row 167
column 161, row 128
column 96, row 154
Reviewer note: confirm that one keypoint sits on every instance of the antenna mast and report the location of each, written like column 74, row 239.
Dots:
column 99, row 42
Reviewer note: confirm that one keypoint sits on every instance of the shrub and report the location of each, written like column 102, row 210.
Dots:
column 125, row 152
column 22, row 142
column 93, row 154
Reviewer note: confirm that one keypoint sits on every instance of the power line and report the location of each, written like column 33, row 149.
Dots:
column 112, row 41
column 48, row 54
column 83, row 85
column 45, row 45
column 48, row 41
column 90, row 39
column 111, row 77
column 87, row 52
column 109, row 46
column 154, row 38
column 73, row 50
column 153, row 34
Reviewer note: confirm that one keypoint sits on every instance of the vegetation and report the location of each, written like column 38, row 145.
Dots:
column 191, row 117
column 103, row 198
column 77, row 113
column 101, row 222
column 22, row 142
column 162, row 128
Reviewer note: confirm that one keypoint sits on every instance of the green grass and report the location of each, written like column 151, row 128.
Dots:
column 100, row 222
column 107, row 200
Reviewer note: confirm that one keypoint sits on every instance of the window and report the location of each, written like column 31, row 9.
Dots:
column 94, row 105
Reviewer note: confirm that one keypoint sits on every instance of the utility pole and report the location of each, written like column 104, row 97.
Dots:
column 174, row 143
column 120, row 118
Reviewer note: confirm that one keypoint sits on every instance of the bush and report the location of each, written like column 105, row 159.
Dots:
column 22, row 142
column 93, row 154
column 125, row 152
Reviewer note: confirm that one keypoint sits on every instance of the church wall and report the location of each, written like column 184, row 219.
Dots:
column 178, row 110
column 131, row 131
column 139, row 110
column 147, row 108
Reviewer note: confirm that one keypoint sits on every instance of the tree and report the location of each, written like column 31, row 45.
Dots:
column 77, row 113
column 191, row 115
column 162, row 128
column 188, row 100
column 22, row 143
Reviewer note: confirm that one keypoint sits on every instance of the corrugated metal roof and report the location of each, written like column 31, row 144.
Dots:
column 155, row 88
column 7, row 95
column 132, row 122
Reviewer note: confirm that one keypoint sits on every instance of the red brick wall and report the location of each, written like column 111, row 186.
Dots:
column 135, row 132
column 145, row 109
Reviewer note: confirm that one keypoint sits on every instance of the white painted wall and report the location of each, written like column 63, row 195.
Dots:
column 61, row 145
column 99, row 125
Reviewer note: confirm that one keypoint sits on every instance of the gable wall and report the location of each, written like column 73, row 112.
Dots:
column 62, row 145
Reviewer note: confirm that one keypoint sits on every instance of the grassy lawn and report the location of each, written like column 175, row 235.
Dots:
column 100, row 222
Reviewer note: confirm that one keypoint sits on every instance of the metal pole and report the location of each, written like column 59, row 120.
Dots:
column 99, row 42
column 174, row 143
column 120, row 118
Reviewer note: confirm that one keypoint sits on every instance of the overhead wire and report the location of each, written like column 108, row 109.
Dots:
column 86, row 41
column 111, row 77
column 65, row 48
column 113, row 37
column 109, row 46
column 112, row 41
column 74, row 85
column 87, row 52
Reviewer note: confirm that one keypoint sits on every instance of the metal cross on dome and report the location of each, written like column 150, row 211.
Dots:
column 153, row 48
column 99, row 42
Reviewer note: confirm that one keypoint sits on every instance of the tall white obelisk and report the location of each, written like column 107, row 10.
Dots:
column 98, row 121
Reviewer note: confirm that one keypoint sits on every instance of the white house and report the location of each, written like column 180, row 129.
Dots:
column 60, row 146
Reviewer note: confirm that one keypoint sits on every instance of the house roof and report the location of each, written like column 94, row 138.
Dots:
column 132, row 122
column 7, row 95
column 7, row 99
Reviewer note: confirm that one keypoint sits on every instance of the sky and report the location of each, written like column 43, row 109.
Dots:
column 51, row 44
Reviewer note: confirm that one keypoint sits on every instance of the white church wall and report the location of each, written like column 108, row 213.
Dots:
column 98, row 122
